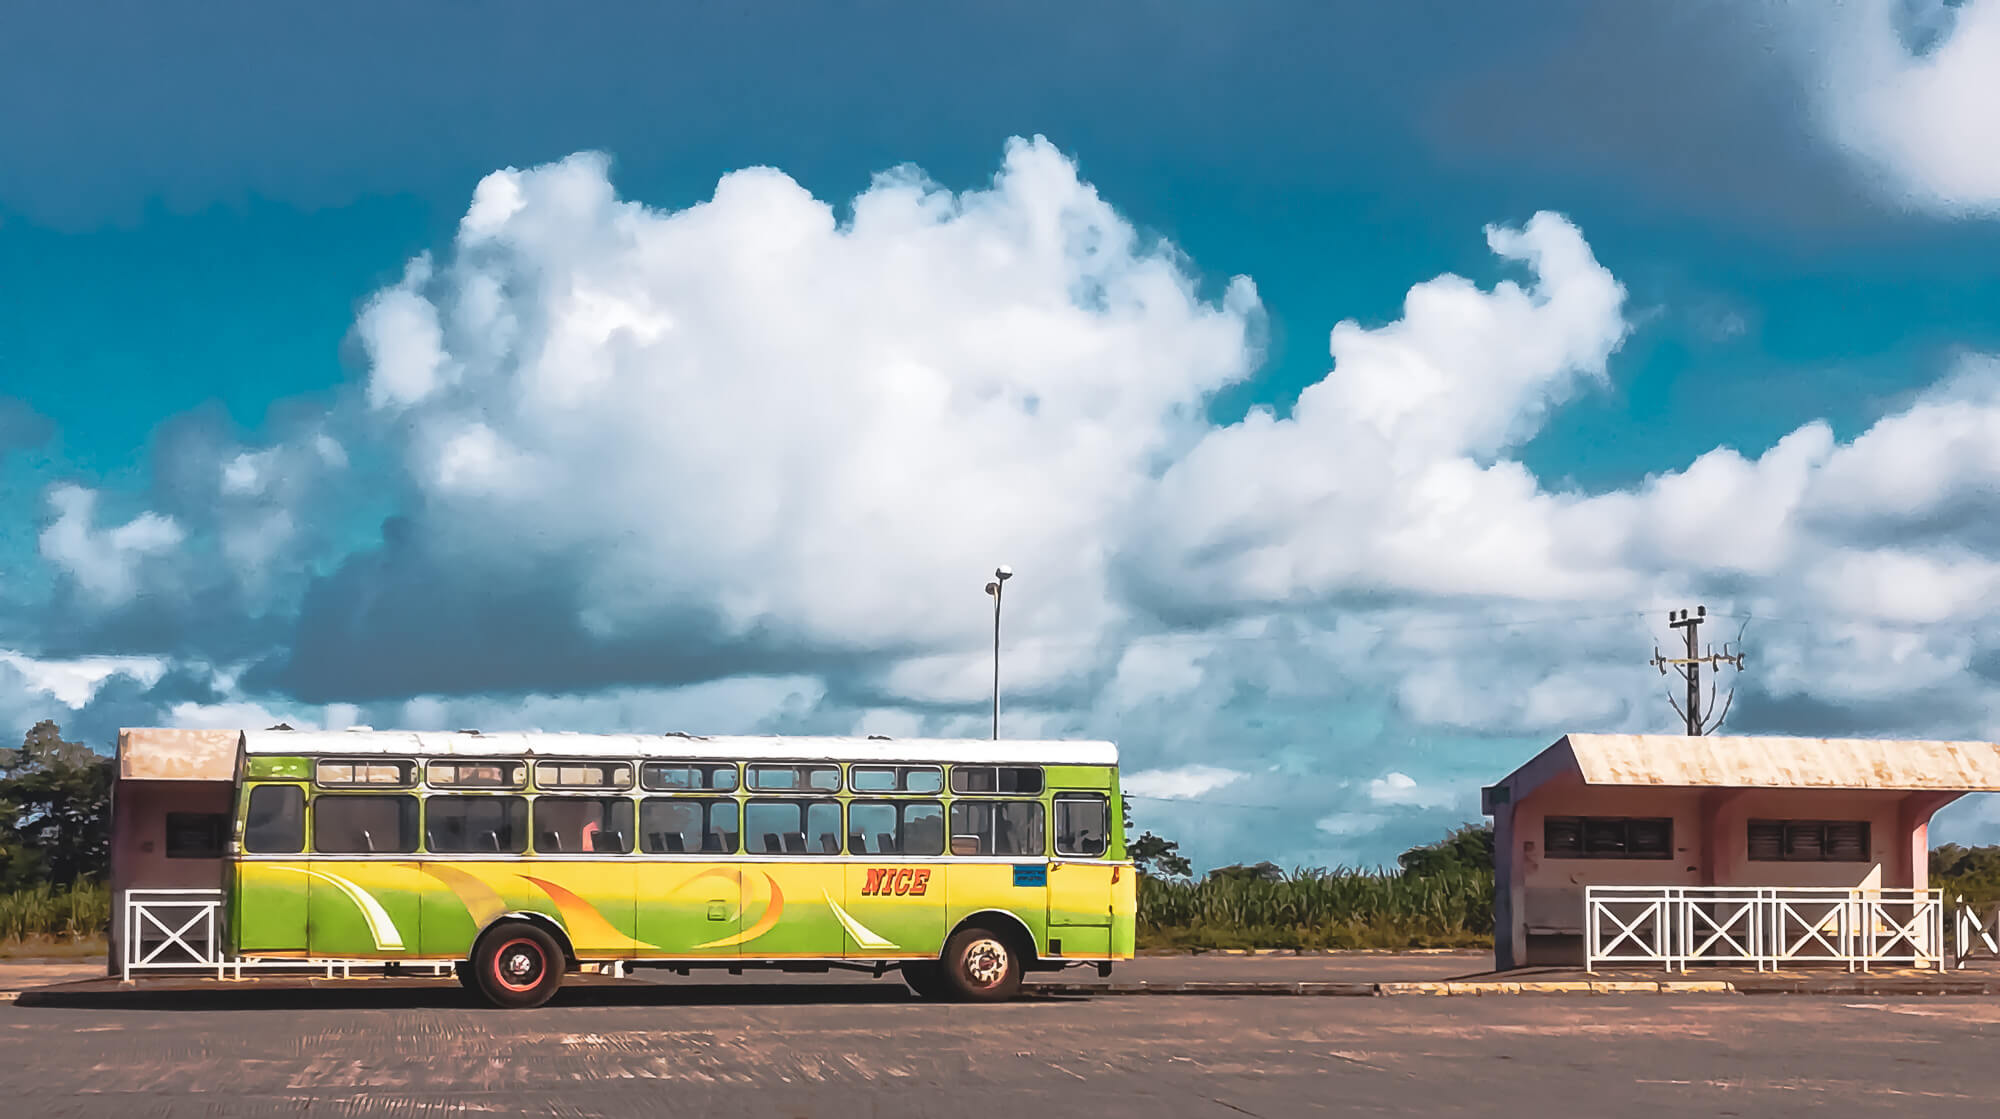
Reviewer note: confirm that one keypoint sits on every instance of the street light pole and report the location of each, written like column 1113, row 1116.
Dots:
column 994, row 587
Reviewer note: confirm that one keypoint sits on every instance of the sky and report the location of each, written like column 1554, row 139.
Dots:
column 1354, row 388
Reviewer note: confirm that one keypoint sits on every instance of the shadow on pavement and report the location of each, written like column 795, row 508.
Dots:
column 380, row 996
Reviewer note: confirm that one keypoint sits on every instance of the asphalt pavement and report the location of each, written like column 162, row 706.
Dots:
column 720, row 1051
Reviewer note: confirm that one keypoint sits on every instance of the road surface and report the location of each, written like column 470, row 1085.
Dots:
column 835, row 1050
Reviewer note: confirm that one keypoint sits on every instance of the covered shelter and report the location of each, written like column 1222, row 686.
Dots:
column 1668, row 847
column 170, row 812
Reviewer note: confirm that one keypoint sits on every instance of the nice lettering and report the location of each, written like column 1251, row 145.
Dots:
column 896, row 881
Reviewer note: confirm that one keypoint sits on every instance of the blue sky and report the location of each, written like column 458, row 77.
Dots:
column 206, row 213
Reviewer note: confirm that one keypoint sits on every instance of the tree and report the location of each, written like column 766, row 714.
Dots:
column 1155, row 856
column 1254, row 872
column 1466, row 848
column 55, row 810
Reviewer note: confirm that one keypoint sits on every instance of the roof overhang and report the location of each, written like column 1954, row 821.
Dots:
column 1756, row 762
column 171, row 754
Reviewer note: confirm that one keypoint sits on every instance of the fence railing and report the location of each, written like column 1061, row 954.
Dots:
column 171, row 929
column 181, row 930
column 1765, row 927
column 1976, row 934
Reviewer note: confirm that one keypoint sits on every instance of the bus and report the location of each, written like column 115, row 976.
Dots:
column 520, row 857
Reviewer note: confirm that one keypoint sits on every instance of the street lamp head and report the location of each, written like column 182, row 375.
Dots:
column 992, row 588
column 1003, row 572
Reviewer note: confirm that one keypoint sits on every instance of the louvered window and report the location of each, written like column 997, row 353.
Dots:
column 1809, row 841
column 1608, row 837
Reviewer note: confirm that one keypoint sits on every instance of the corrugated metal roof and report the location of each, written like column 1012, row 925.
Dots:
column 174, row 754
column 972, row 751
column 1743, row 761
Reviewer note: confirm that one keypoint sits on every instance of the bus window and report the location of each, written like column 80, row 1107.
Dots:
column 792, row 827
column 364, row 825
column 687, row 826
column 1080, row 826
column 1022, row 780
column 887, row 827
column 796, row 778
column 477, row 775
column 346, row 773
column 583, row 775
column 583, row 825
column 667, row 777
column 895, row 779
column 996, row 827
column 276, row 822
column 476, row 825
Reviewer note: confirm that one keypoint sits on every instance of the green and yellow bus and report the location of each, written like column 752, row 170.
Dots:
column 961, row 864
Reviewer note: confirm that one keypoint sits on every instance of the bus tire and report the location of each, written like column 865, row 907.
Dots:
column 981, row 965
column 463, row 970
column 925, row 978
column 517, row 965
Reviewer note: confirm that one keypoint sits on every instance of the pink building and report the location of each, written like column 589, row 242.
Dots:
column 170, row 807
column 1697, row 822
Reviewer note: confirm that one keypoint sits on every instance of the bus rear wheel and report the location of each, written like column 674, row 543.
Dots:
column 517, row 965
column 925, row 978
column 981, row 965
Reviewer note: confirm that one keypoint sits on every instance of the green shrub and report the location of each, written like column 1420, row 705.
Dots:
column 1319, row 909
column 47, row 911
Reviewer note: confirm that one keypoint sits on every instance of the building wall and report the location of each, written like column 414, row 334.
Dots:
column 139, row 841
column 1539, row 910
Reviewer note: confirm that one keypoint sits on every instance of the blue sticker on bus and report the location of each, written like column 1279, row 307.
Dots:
column 1031, row 875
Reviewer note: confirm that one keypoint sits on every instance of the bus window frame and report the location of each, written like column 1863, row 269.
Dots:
column 416, row 845
column 512, row 798
column 1055, row 838
column 1041, row 790
column 707, row 801
column 902, row 770
column 807, row 791
column 411, row 771
column 520, row 780
column 735, row 768
column 305, row 821
column 631, row 837
column 805, row 803
column 631, row 776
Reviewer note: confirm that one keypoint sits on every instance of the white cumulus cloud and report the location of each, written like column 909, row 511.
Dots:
column 1912, row 89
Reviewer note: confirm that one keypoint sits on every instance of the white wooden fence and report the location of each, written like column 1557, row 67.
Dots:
column 1768, row 927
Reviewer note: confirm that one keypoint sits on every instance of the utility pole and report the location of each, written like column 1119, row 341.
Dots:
column 1689, row 668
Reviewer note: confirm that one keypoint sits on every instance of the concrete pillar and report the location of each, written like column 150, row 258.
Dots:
column 1913, row 849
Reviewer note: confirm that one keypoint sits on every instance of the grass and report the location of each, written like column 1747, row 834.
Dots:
column 52, row 916
column 54, row 948
column 1319, row 909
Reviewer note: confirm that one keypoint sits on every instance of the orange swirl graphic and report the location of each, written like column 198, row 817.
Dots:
column 587, row 927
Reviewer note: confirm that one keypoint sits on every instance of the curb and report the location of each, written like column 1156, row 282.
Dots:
column 1386, row 990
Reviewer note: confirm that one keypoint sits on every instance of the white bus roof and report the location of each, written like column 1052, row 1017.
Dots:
column 475, row 744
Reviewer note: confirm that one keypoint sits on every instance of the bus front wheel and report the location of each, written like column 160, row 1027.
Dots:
column 981, row 965
column 517, row 965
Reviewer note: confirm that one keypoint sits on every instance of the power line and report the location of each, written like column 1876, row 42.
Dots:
column 1203, row 802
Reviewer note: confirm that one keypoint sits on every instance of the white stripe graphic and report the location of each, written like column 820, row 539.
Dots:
column 380, row 927
column 862, row 934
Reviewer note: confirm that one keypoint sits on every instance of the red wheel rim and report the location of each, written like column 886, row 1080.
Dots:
column 528, row 976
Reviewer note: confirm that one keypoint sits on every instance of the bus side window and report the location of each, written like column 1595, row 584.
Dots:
column 990, row 827
column 1080, row 826
column 275, row 823
column 347, row 824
